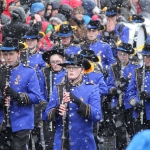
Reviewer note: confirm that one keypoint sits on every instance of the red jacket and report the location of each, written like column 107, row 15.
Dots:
column 6, row 11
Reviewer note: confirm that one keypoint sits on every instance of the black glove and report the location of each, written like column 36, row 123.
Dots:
column 144, row 95
column 2, row 102
column 114, row 91
column 124, row 80
column 75, row 100
column 10, row 92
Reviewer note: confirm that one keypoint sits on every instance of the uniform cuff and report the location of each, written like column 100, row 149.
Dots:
column 52, row 114
column 23, row 99
column 43, row 104
column 84, row 110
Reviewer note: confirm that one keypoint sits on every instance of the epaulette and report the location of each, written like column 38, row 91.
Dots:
column 62, row 82
column 27, row 66
column 114, row 64
column 103, row 42
column 135, row 63
column 76, row 45
column 91, row 82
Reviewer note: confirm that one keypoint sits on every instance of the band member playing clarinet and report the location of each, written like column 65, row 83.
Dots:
column 139, row 92
column 20, row 90
column 75, row 106
column 117, row 82
column 50, row 76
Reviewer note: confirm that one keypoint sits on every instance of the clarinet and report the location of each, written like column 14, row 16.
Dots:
column 51, row 123
column 119, row 91
column 142, row 89
column 64, row 118
column 7, row 107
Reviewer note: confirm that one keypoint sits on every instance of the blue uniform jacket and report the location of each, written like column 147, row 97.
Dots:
column 124, row 35
column 129, row 69
column 57, row 78
column 105, row 52
column 80, row 128
column 98, row 79
column 36, row 61
column 23, row 79
column 133, row 92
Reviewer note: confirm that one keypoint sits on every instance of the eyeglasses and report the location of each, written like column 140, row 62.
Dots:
column 55, row 62
column 72, row 68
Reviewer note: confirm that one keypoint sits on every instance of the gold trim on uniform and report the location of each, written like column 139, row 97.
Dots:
column 50, row 114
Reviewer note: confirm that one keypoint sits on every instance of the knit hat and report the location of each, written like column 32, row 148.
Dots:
column 66, row 10
column 36, row 8
column 49, row 28
column 55, row 5
column 60, row 18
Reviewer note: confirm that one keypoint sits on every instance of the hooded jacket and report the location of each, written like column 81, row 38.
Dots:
column 6, row 11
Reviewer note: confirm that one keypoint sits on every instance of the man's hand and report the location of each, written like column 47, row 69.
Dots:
column 66, row 97
column 62, row 109
column 8, row 91
column 7, row 101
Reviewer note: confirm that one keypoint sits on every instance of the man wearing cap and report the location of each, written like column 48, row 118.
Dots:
column 20, row 90
column 113, row 28
column 117, row 82
column 77, row 103
column 50, row 76
column 99, row 47
column 69, row 42
column 31, row 56
column 96, row 77
column 139, row 93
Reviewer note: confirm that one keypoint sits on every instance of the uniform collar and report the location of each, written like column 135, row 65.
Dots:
column 56, row 71
column 77, row 83
column 33, row 51
column 92, row 42
column 15, row 65
column 66, row 46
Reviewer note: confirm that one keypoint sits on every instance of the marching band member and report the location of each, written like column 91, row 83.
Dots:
column 21, row 90
column 69, row 41
column 50, row 76
column 117, row 82
column 99, row 47
column 95, row 76
column 83, row 107
column 31, row 56
column 139, row 93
